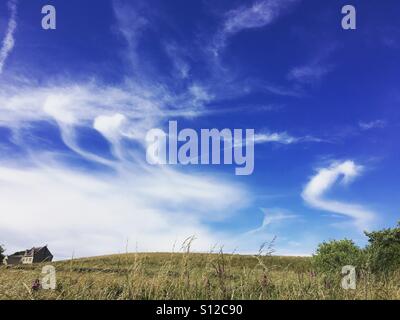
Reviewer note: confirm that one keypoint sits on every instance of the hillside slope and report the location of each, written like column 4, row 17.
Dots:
column 186, row 276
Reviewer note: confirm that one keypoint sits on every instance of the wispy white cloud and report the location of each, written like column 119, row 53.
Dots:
column 9, row 41
column 283, row 137
column 96, row 214
column 376, row 124
column 313, row 71
column 272, row 216
column 131, row 23
column 132, row 200
column 324, row 180
column 257, row 15
column 283, row 91
column 178, row 58
column 308, row 73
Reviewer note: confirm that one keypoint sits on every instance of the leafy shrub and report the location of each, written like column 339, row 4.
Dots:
column 383, row 250
column 331, row 256
column 380, row 256
column 1, row 254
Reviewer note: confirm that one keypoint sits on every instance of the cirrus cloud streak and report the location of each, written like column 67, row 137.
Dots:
column 324, row 180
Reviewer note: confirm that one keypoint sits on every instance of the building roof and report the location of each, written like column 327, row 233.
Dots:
column 17, row 254
column 34, row 250
column 28, row 252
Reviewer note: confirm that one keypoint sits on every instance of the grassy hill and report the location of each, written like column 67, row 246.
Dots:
column 188, row 276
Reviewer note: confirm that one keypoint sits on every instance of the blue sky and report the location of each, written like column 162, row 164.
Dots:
column 76, row 103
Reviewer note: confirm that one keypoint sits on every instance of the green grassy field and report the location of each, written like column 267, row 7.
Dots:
column 190, row 276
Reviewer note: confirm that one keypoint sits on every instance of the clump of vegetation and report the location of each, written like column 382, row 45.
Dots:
column 383, row 250
column 380, row 257
column 331, row 256
column 1, row 254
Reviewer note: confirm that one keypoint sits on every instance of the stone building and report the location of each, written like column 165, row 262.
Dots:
column 29, row 256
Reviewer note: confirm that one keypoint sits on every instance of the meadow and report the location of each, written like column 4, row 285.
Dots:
column 187, row 275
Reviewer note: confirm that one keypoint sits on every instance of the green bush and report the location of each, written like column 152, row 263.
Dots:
column 332, row 256
column 1, row 254
column 380, row 256
column 383, row 250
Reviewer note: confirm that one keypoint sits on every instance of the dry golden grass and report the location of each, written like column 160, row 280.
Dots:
column 190, row 276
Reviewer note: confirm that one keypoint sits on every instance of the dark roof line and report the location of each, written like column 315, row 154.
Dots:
column 29, row 252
